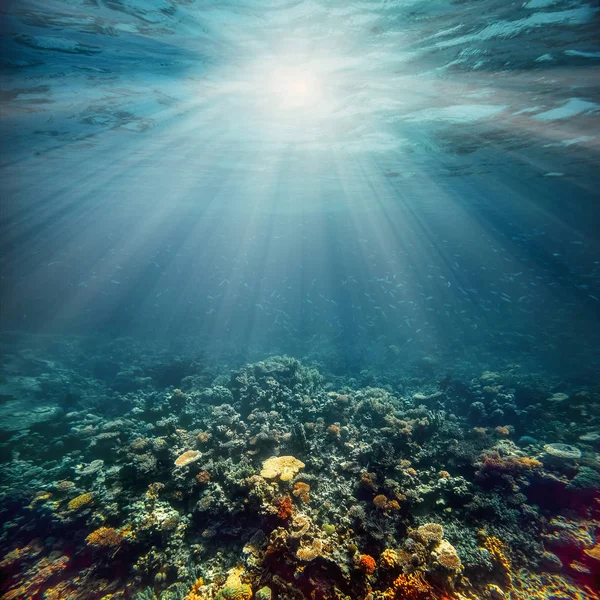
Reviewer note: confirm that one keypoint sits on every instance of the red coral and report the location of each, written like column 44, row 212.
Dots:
column 285, row 508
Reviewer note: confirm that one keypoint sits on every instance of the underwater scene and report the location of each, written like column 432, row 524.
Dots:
column 300, row 300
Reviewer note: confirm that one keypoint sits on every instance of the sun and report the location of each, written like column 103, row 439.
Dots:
column 293, row 88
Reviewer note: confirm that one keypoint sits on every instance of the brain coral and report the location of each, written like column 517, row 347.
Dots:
column 430, row 532
column 445, row 554
column 284, row 467
column 187, row 458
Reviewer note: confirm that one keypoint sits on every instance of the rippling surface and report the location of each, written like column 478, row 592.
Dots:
column 410, row 86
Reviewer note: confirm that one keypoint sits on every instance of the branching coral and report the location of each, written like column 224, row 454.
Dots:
column 411, row 586
column 194, row 593
column 497, row 552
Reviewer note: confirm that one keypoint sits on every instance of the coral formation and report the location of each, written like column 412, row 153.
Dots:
column 187, row 458
column 299, row 491
column 234, row 589
column 283, row 467
column 81, row 501
column 367, row 563
column 104, row 537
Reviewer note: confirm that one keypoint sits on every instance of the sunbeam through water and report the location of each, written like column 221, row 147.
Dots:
column 299, row 299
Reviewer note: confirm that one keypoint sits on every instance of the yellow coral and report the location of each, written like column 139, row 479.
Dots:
column 389, row 559
column 106, row 537
column 594, row 553
column 81, row 501
column 445, row 554
column 194, row 593
column 284, row 467
column 497, row 551
column 307, row 553
column 234, row 589
column 187, row 458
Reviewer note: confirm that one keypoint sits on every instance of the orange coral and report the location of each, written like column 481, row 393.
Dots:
column 380, row 501
column 493, row 462
column 35, row 580
column 333, row 431
column 302, row 490
column 410, row 587
column 367, row 563
column 105, row 537
column 285, row 508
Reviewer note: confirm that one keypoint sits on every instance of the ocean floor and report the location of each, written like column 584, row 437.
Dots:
column 127, row 472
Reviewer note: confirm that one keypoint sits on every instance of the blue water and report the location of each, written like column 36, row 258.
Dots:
column 361, row 237
column 306, row 177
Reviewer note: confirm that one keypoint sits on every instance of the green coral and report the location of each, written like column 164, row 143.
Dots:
column 264, row 593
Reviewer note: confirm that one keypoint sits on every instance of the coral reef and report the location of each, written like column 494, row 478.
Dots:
column 275, row 482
